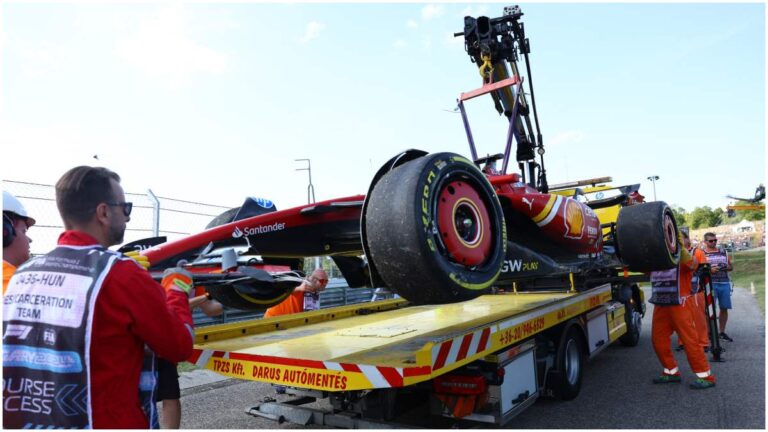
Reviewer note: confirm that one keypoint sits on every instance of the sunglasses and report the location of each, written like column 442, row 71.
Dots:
column 127, row 207
column 712, row 241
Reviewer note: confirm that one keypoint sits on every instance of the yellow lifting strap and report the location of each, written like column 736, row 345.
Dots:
column 486, row 69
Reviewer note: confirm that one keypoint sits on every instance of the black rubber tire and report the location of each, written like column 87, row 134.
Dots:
column 230, row 296
column 403, row 236
column 224, row 218
column 646, row 237
column 633, row 319
column 570, row 364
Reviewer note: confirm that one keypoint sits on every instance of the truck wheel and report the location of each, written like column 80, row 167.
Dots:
column 570, row 361
column 634, row 321
column 435, row 230
column 646, row 237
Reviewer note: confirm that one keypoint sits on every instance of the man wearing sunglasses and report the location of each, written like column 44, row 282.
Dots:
column 76, row 320
column 721, row 264
column 305, row 297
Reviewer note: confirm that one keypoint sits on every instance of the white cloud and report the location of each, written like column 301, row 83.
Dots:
column 312, row 32
column 426, row 43
column 474, row 11
column 163, row 49
column 412, row 24
column 567, row 137
column 431, row 11
column 400, row 43
column 43, row 60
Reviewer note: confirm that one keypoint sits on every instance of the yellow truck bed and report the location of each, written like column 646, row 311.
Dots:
column 338, row 349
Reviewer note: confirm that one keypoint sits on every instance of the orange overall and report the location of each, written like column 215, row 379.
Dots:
column 698, row 306
column 678, row 318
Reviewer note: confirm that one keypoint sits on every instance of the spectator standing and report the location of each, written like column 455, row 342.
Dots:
column 76, row 320
column 721, row 264
column 16, row 222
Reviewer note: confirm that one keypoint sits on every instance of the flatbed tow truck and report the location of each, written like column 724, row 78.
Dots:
column 512, row 283
column 483, row 360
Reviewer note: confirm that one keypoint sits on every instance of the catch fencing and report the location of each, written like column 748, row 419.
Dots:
column 151, row 216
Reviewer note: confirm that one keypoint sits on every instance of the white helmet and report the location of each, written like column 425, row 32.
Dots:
column 13, row 205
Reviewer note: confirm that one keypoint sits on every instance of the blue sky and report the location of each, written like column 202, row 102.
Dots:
column 212, row 103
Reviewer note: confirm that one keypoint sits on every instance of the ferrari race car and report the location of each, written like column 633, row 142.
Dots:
column 442, row 227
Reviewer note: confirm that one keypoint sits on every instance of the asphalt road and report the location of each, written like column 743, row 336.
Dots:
column 617, row 392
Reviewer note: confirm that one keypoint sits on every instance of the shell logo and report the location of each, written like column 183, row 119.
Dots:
column 574, row 220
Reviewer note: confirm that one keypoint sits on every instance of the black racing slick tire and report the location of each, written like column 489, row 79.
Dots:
column 435, row 230
column 646, row 237
column 234, row 297
column 244, row 297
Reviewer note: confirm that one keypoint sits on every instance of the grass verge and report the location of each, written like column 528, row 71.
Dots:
column 186, row 367
column 749, row 268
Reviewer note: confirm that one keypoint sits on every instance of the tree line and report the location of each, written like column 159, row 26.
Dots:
column 704, row 217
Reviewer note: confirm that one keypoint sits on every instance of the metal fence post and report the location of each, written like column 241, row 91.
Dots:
column 155, row 213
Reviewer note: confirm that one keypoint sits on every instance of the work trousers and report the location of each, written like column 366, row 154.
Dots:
column 668, row 319
column 696, row 305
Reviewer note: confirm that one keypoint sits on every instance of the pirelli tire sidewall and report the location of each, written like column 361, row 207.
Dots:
column 404, row 210
column 431, row 182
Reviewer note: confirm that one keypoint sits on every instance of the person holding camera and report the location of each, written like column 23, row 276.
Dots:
column 721, row 264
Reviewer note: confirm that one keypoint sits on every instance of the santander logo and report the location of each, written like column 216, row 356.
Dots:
column 237, row 233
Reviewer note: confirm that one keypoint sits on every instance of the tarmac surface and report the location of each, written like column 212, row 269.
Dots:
column 616, row 392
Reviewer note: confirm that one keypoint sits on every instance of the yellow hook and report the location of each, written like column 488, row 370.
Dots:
column 486, row 69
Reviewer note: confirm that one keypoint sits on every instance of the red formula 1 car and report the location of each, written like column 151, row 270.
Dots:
column 442, row 227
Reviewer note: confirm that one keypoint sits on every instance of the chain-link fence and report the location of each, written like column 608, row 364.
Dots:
column 151, row 215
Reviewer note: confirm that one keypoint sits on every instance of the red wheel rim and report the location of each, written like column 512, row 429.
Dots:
column 464, row 224
column 669, row 233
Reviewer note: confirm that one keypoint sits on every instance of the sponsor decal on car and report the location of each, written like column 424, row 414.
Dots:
column 261, row 229
column 264, row 203
column 574, row 220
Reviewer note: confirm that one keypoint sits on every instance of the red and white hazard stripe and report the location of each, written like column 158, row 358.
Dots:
column 378, row 376
column 200, row 357
column 457, row 349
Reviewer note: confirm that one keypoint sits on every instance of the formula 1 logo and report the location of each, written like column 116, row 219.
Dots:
column 264, row 203
column 237, row 233
column 17, row 331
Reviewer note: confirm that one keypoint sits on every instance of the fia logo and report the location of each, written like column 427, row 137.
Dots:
column 49, row 336
column 264, row 203
column 237, row 233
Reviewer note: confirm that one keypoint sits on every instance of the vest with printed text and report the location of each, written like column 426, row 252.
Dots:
column 47, row 328
column 665, row 287
column 718, row 258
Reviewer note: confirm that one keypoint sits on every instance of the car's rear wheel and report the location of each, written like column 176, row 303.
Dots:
column 646, row 236
column 435, row 230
